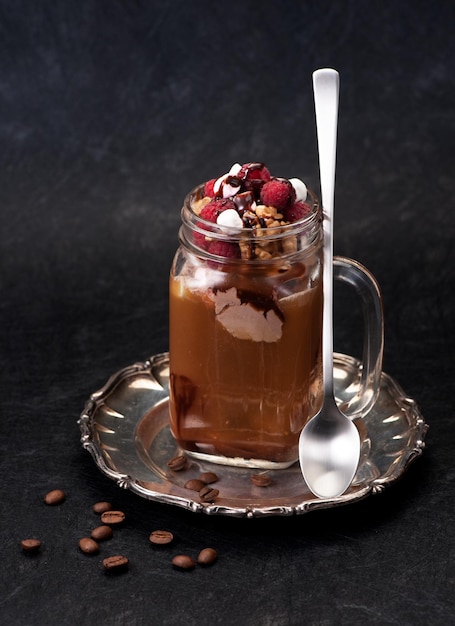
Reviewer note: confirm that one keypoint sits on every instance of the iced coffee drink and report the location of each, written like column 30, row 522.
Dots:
column 246, row 318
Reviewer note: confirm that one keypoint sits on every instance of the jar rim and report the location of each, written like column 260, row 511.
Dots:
column 271, row 232
column 308, row 230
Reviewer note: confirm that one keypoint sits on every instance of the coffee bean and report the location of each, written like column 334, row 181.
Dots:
column 183, row 561
column 30, row 545
column 207, row 494
column 207, row 556
column 115, row 563
column 161, row 537
column 56, row 496
column 88, row 546
column 102, row 507
column 194, row 484
column 113, row 517
column 261, row 480
column 208, row 477
column 101, row 533
column 177, row 464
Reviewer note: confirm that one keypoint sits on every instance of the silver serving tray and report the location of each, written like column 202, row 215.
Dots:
column 125, row 427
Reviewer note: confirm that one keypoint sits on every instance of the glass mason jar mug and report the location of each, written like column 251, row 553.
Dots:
column 246, row 338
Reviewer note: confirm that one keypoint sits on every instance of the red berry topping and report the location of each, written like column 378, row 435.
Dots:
column 209, row 213
column 216, row 206
column 199, row 240
column 224, row 248
column 256, row 171
column 208, row 188
column 278, row 193
column 253, row 177
column 296, row 212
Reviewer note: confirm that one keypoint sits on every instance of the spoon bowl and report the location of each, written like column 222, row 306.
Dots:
column 329, row 445
column 329, row 452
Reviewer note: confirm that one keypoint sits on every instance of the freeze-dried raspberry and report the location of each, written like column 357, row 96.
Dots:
column 224, row 248
column 200, row 240
column 254, row 176
column 216, row 206
column 209, row 213
column 296, row 211
column 278, row 193
column 256, row 171
column 208, row 188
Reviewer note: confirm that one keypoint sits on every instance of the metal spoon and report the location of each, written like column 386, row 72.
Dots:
column 329, row 446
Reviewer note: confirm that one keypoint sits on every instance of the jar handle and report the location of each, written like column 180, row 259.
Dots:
column 355, row 274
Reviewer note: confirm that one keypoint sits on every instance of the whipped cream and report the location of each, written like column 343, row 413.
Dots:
column 243, row 320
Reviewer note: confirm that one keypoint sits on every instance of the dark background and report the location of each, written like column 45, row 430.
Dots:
column 109, row 112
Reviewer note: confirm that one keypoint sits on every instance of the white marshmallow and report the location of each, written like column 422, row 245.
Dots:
column 235, row 169
column 230, row 219
column 300, row 189
column 228, row 190
column 219, row 181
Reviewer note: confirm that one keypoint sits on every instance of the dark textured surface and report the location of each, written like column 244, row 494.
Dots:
column 109, row 112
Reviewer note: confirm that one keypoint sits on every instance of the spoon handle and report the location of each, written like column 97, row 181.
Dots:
column 326, row 95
